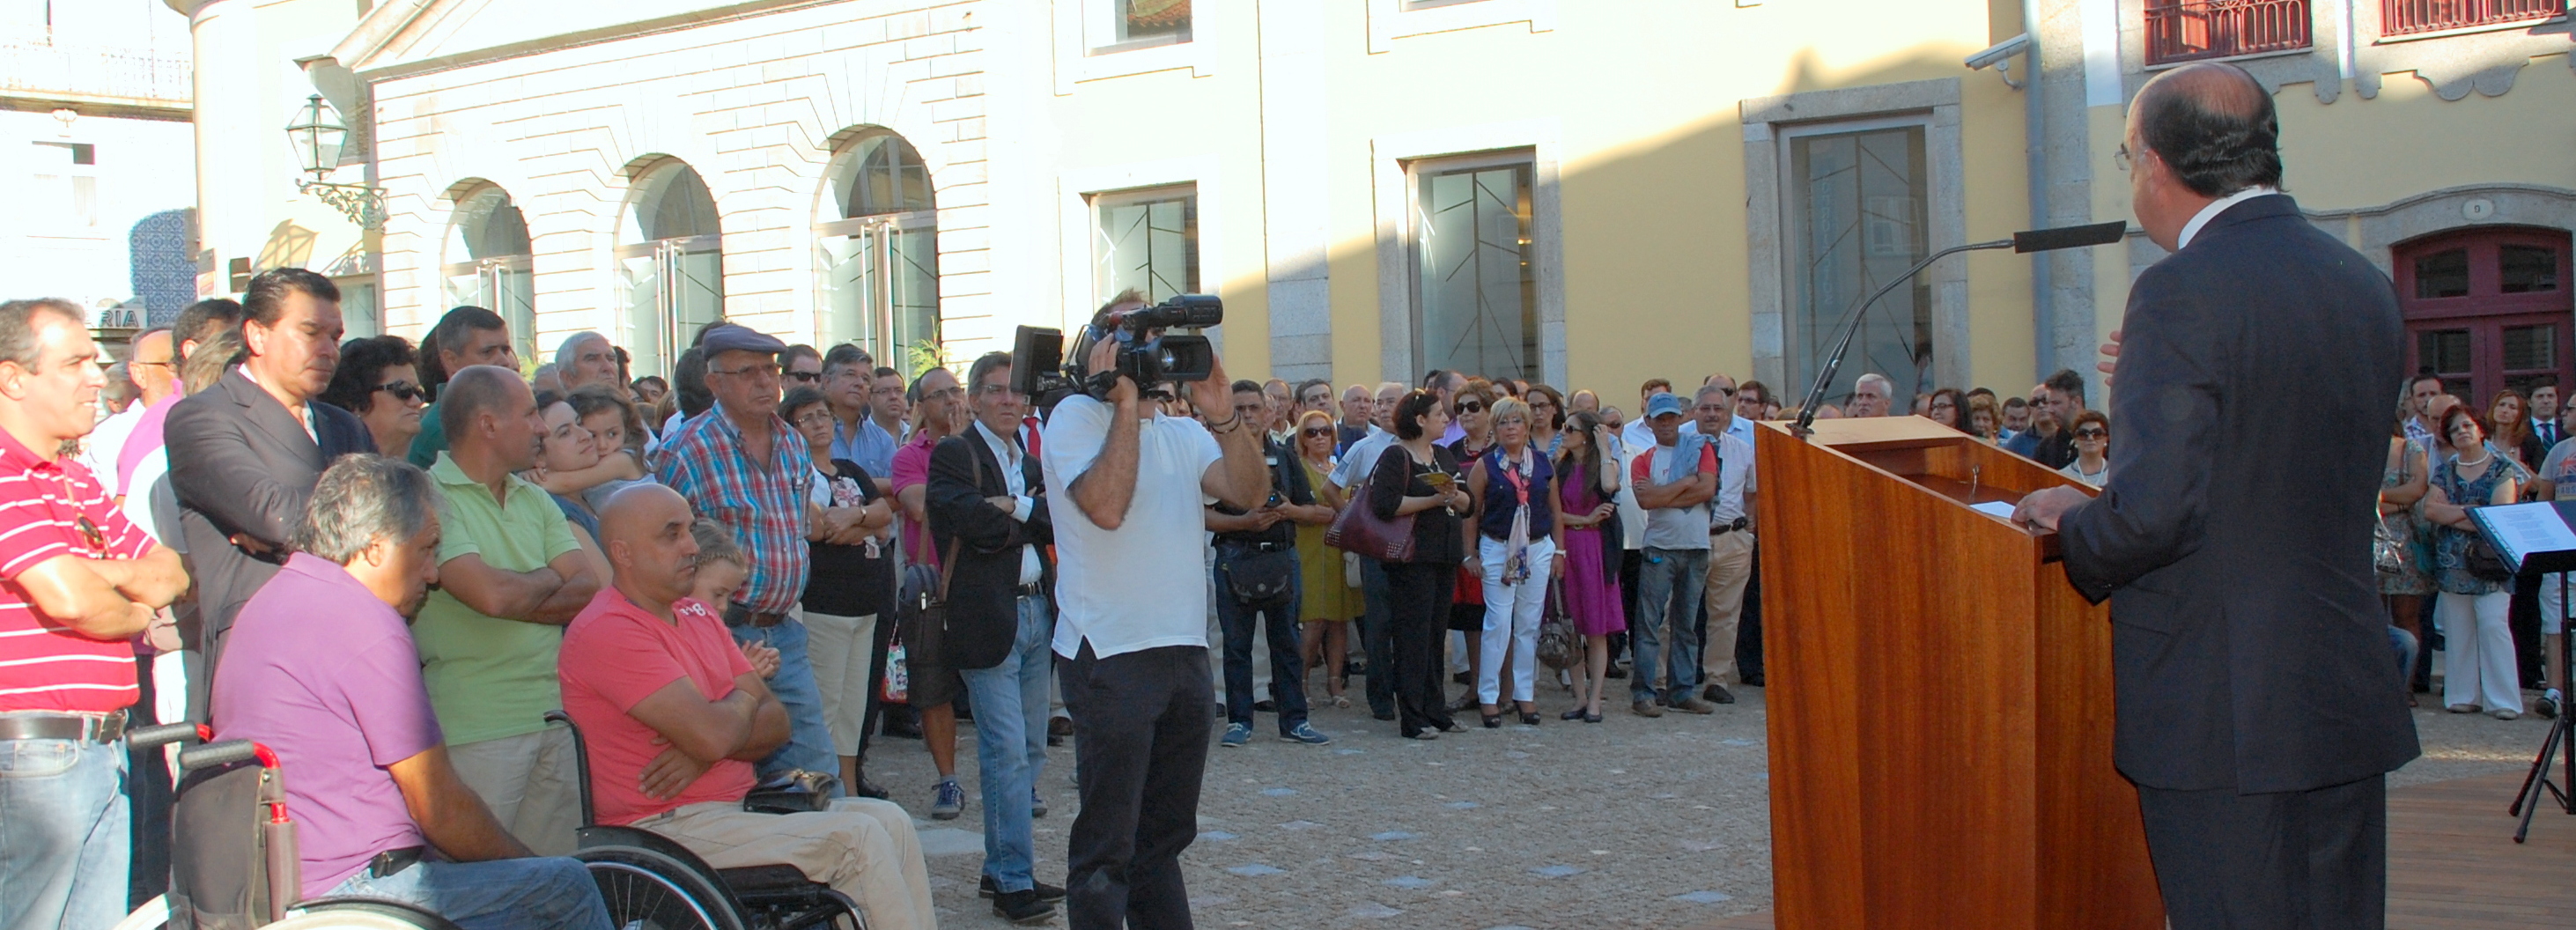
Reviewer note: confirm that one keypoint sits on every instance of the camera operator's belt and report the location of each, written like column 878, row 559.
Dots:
column 84, row 728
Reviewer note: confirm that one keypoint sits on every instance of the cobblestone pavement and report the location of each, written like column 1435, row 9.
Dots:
column 1629, row 823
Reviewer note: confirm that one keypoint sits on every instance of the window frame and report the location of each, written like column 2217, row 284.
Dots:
column 1791, row 234
column 1415, row 171
column 1195, row 254
column 1078, row 61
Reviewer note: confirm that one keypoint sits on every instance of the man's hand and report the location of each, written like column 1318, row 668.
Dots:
column 764, row 660
column 671, row 772
column 1005, row 502
column 1104, row 357
column 2110, row 358
column 2043, row 508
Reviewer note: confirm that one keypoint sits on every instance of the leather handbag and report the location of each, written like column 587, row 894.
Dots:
column 1558, row 646
column 922, row 604
column 1359, row 529
column 2485, row 563
column 795, row 791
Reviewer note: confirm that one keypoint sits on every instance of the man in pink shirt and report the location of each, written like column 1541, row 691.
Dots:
column 674, row 717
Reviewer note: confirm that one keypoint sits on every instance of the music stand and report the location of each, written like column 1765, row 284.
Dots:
column 2541, row 538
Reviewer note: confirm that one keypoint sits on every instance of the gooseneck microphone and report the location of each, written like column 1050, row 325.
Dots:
column 2026, row 241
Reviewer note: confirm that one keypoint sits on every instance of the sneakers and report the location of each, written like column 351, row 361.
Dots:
column 1645, row 709
column 2547, row 706
column 1236, row 734
column 1717, row 694
column 1023, row 907
column 947, row 800
column 1305, row 733
column 1037, row 803
column 1044, row 891
column 1693, row 705
column 2504, row 713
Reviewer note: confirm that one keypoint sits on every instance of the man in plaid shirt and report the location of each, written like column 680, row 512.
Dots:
column 745, row 469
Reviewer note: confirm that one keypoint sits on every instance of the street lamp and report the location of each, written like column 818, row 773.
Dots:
column 317, row 135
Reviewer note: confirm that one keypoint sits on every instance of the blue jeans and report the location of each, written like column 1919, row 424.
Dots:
column 503, row 894
column 1668, row 590
column 1287, row 660
column 1377, row 637
column 1010, row 702
column 64, row 833
column 809, row 736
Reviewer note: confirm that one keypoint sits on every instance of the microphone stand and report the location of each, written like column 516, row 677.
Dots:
column 2034, row 240
column 1833, row 363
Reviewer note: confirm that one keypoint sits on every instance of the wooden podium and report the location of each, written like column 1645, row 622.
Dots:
column 1939, row 697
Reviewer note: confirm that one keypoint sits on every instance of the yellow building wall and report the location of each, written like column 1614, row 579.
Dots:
column 2357, row 153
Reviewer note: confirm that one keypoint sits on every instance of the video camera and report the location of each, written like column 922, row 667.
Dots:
column 1045, row 372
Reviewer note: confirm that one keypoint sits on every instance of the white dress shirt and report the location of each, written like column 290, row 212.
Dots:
column 2216, row 207
column 1008, row 453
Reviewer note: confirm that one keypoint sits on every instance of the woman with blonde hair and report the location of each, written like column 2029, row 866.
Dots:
column 1514, row 486
column 1328, row 599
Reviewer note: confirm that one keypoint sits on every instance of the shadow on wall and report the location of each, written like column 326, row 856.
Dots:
column 288, row 246
column 161, row 250
column 1656, row 251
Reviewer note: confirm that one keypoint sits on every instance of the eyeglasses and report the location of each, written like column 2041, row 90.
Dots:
column 886, row 392
column 815, row 417
column 806, row 377
column 2120, row 157
column 983, row 390
column 1471, row 406
column 770, row 370
column 143, row 364
column 403, row 390
column 950, row 393
column 2092, row 432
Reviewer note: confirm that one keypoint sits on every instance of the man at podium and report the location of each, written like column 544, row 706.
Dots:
column 2257, row 710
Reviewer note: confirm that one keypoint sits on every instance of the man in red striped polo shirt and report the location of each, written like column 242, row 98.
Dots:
column 77, row 582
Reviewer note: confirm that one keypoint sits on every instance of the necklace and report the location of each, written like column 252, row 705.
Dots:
column 2089, row 476
column 2483, row 459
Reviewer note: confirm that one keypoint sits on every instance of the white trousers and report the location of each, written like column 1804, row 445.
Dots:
column 2477, row 651
column 1514, row 608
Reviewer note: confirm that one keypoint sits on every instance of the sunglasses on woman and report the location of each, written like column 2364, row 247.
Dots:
column 1316, row 431
column 403, row 390
column 1471, row 406
column 2091, row 432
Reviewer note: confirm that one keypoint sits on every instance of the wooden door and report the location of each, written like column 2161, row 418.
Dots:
column 2488, row 309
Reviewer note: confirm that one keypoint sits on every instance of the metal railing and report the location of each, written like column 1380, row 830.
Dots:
column 2191, row 30
column 2407, row 17
column 44, row 68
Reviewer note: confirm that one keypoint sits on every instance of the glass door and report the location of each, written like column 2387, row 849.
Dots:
column 881, row 287
column 505, row 286
column 671, row 288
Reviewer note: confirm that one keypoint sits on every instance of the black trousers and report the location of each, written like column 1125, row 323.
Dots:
column 2309, row 860
column 1748, row 629
column 1418, row 596
column 1140, row 730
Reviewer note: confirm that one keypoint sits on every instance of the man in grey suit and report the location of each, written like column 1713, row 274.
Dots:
column 246, row 452
column 2258, row 711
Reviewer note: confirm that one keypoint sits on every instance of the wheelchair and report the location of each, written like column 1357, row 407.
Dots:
column 651, row 882
column 234, row 862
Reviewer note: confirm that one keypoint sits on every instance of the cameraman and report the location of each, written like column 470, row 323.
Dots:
column 1133, row 622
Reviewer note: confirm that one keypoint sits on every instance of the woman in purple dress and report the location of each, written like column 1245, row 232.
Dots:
column 1587, row 479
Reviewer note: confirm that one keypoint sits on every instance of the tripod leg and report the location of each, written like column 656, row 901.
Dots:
column 2527, row 801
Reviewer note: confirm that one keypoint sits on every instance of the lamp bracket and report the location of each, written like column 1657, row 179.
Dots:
column 363, row 204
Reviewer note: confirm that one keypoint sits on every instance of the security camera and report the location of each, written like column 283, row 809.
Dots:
column 1997, row 53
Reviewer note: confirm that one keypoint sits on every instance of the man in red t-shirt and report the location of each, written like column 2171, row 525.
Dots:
column 674, row 717
column 77, row 582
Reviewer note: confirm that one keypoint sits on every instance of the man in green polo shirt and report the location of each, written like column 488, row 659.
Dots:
column 511, row 575
column 465, row 336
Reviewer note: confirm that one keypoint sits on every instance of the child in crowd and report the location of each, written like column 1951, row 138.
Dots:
column 722, row 568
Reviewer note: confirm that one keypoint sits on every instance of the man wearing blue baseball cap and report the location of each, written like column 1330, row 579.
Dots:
column 1674, row 482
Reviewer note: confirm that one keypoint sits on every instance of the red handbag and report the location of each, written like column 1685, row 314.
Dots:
column 1359, row 529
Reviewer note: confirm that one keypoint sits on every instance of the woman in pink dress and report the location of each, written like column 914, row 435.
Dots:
column 1587, row 478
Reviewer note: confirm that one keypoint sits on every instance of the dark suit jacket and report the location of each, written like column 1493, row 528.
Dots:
column 242, row 465
column 983, row 595
column 2249, row 426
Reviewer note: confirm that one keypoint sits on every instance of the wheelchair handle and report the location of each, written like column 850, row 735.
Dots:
column 580, row 762
column 165, row 734
column 224, row 753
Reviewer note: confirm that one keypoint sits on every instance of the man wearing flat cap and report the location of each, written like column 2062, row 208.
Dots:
column 743, row 468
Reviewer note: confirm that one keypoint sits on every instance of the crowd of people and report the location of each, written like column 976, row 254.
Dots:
column 399, row 558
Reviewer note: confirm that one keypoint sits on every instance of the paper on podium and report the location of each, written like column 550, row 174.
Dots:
column 2523, row 529
column 2002, row 509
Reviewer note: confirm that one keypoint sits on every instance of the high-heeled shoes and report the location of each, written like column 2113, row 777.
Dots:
column 1529, row 718
column 1493, row 721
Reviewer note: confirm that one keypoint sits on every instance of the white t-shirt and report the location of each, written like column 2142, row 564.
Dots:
column 1361, row 458
column 106, row 441
column 1135, row 587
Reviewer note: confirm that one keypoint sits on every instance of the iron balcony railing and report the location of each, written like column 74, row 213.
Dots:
column 42, row 68
column 2407, row 17
column 2195, row 29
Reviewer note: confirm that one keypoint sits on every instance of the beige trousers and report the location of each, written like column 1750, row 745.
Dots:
column 1730, row 567
column 841, row 651
column 531, row 784
column 862, row 848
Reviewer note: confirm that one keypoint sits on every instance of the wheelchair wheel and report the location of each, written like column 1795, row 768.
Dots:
column 646, row 890
column 360, row 915
column 153, row 915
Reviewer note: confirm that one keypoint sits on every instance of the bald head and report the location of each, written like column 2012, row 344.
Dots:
column 154, row 365
column 645, row 530
column 2213, row 126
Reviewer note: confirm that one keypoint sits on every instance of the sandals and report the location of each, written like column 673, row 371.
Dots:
column 1529, row 718
column 1493, row 721
column 1340, row 700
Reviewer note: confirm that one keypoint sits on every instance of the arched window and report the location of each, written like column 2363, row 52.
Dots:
column 880, row 256
column 670, row 259
column 489, row 264
column 2487, row 308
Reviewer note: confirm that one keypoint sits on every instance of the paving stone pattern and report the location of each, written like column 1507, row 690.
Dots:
column 1628, row 823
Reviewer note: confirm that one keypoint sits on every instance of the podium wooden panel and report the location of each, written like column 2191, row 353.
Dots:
column 1939, row 698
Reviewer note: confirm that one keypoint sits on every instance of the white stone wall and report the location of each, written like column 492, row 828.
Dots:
column 753, row 104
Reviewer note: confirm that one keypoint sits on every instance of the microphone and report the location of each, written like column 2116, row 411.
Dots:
column 2024, row 242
